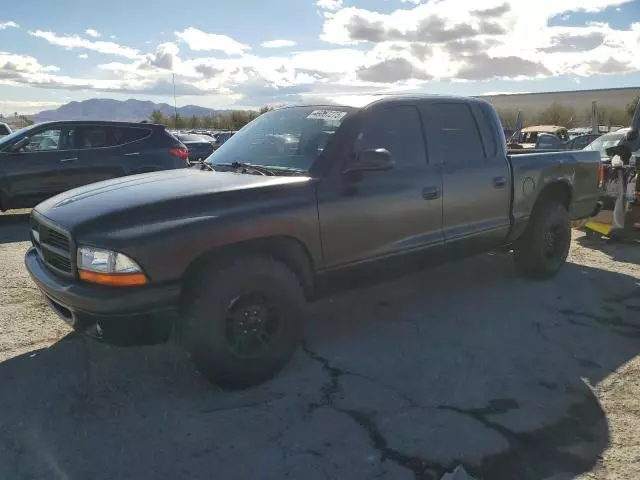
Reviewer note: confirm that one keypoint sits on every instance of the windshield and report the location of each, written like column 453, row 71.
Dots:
column 606, row 141
column 285, row 138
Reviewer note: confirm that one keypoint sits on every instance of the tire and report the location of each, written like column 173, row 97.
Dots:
column 543, row 248
column 241, row 320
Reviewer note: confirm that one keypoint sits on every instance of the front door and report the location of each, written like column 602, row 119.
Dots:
column 32, row 173
column 373, row 214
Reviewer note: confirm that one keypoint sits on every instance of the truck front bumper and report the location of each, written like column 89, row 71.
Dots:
column 110, row 313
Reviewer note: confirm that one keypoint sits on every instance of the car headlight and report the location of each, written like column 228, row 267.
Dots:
column 106, row 267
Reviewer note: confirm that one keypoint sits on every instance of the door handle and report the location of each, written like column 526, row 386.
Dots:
column 499, row 182
column 130, row 154
column 430, row 193
column 72, row 159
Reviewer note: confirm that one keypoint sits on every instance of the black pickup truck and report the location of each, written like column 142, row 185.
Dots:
column 236, row 245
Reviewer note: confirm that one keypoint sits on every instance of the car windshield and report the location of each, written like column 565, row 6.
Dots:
column 606, row 141
column 288, row 138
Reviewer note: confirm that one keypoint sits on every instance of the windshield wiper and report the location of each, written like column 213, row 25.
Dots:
column 247, row 166
column 205, row 165
column 288, row 170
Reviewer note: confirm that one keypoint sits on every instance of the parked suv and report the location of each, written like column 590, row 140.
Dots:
column 49, row 158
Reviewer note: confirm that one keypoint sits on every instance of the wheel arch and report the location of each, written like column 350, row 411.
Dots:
column 558, row 190
column 286, row 249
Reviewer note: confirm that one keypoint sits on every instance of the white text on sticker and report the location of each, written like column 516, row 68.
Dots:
column 326, row 115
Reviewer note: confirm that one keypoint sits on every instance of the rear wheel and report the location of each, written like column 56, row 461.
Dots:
column 241, row 320
column 543, row 248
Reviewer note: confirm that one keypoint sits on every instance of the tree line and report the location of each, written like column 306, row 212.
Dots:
column 233, row 120
column 18, row 121
column 564, row 115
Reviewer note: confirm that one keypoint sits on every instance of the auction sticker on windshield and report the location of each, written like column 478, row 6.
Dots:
column 326, row 115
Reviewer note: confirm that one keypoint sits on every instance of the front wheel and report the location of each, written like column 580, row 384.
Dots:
column 241, row 320
column 543, row 248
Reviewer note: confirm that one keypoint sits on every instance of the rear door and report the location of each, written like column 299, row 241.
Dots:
column 90, row 162
column 475, row 175
column 373, row 214
column 132, row 151
column 109, row 151
column 32, row 174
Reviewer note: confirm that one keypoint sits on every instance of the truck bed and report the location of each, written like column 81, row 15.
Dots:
column 532, row 172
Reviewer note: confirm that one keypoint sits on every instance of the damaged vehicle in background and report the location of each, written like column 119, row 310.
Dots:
column 4, row 130
column 297, row 198
column 527, row 138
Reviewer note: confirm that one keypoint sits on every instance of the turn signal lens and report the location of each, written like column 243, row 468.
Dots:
column 114, row 279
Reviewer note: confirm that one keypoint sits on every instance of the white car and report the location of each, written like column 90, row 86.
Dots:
column 4, row 130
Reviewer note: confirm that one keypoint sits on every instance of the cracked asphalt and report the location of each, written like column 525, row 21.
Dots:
column 464, row 364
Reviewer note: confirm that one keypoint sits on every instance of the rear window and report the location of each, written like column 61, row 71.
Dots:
column 90, row 137
column 123, row 135
column 194, row 138
column 454, row 135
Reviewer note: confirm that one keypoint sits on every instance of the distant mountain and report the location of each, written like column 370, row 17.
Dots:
column 108, row 109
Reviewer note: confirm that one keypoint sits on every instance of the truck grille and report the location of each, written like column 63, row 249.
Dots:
column 53, row 245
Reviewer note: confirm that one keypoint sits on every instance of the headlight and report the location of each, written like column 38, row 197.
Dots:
column 106, row 267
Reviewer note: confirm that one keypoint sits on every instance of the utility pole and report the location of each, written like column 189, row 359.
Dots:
column 175, row 104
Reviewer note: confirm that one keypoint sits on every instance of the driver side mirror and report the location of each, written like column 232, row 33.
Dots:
column 20, row 144
column 371, row 160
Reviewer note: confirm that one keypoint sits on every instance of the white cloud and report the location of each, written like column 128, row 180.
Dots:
column 494, row 39
column 278, row 43
column 83, row 55
column 11, row 63
column 367, row 53
column 92, row 33
column 198, row 40
column 74, row 41
column 9, row 24
column 331, row 5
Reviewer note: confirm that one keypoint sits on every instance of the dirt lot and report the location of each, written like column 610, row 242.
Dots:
column 465, row 363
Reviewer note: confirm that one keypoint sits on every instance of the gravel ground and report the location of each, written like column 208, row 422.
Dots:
column 462, row 364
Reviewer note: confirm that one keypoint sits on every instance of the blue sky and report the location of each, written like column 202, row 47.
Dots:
column 329, row 50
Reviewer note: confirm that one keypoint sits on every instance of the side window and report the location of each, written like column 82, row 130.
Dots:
column 454, row 134
column 44, row 140
column 484, row 122
column 398, row 129
column 123, row 135
column 90, row 137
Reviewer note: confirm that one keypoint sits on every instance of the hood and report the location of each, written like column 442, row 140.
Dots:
column 152, row 192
